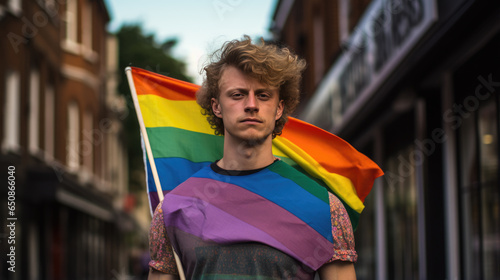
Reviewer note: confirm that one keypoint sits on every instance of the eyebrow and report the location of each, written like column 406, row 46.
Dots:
column 259, row 90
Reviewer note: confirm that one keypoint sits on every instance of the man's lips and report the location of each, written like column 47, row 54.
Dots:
column 251, row 120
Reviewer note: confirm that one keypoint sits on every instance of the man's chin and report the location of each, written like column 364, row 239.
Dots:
column 253, row 140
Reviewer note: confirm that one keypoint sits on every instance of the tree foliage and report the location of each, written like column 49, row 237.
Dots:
column 142, row 50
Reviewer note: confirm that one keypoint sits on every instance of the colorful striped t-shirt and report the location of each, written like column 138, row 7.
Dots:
column 259, row 224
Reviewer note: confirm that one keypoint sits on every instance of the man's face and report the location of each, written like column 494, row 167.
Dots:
column 248, row 108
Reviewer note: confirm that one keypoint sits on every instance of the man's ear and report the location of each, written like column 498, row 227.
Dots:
column 216, row 108
column 279, row 110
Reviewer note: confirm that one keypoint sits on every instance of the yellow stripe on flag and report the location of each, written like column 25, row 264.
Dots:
column 161, row 112
column 340, row 185
column 277, row 151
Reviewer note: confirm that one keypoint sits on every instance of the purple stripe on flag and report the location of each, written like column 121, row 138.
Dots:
column 301, row 240
column 184, row 213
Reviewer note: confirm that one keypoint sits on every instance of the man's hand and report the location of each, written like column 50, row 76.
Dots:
column 157, row 275
column 337, row 270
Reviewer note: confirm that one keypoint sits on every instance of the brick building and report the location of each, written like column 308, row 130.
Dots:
column 61, row 132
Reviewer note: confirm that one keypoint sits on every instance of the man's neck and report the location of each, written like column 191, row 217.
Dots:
column 238, row 155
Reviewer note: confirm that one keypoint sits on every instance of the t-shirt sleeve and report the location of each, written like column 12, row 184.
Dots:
column 343, row 236
column 162, row 257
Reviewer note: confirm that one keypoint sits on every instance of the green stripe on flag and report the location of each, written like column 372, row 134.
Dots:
column 175, row 142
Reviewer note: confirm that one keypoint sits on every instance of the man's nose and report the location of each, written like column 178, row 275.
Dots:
column 251, row 104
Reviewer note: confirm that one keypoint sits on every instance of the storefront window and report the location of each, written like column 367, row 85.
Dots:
column 480, row 196
column 401, row 215
column 365, row 240
column 490, row 195
column 364, row 235
column 469, row 198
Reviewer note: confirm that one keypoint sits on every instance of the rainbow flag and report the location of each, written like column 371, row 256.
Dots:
column 182, row 142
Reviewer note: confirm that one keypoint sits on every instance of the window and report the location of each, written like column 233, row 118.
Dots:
column 122, row 167
column 34, row 112
column 87, row 26
column 15, row 6
column 319, row 46
column 87, row 39
column 88, row 142
column 365, row 240
column 480, row 194
column 111, row 158
column 401, row 215
column 73, row 140
column 49, row 122
column 71, row 17
column 12, row 112
column 343, row 17
column 34, row 251
column 490, row 192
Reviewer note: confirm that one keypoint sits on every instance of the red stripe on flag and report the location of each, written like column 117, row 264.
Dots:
column 151, row 83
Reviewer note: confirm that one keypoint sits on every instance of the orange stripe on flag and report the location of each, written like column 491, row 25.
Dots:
column 151, row 83
column 334, row 154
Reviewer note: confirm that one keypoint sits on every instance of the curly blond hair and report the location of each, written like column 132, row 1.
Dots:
column 269, row 64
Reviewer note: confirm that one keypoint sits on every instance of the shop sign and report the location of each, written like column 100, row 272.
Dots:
column 388, row 31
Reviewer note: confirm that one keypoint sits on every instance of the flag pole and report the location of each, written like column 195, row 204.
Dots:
column 149, row 152
column 144, row 133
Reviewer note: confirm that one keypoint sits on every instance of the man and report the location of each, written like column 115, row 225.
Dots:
column 231, row 220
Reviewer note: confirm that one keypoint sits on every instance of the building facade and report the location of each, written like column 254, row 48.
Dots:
column 414, row 85
column 62, row 144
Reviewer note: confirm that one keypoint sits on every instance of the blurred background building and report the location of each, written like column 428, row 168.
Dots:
column 414, row 85
column 61, row 129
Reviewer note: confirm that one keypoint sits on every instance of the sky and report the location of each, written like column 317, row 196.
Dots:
column 201, row 26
